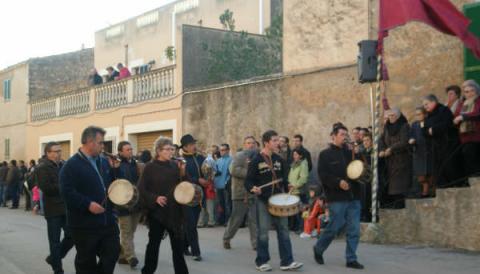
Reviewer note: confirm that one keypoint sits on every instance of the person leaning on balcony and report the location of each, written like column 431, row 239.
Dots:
column 467, row 118
column 94, row 78
column 123, row 72
column 112, row 74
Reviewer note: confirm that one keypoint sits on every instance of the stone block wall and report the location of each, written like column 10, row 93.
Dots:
column 56, row 74
column 450, row 220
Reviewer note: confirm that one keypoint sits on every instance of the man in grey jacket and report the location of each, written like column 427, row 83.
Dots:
column 243, row 202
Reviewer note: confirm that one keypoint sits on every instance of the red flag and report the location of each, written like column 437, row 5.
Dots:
column 439, row 14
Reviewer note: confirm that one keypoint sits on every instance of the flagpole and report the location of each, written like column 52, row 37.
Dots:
column 376, row 138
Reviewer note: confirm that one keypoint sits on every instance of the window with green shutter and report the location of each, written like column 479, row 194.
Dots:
column 7, row 149
column 471, row 66
column 7, row 90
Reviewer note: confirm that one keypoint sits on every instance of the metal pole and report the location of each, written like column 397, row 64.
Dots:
column 376, row 137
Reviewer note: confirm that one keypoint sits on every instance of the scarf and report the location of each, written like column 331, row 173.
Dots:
column 394, row 129
column 468, row 106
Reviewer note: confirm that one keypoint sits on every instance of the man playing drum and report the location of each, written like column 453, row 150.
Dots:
column 165, row 215
column 194, row 171
column 84, row 180
column 263, row 169
column 343, row 198
column 127, row 217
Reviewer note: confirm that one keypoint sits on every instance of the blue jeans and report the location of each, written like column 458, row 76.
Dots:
column 264, row 221
column 342, row 214
column 222, row 200
column 58, row 249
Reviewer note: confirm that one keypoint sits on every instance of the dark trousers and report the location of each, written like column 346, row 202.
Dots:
column 13, row 193
column 366, row 215
column 471, row 158
column 223, row 207
column 103, row 242
column 193, row 213
column 155, row 235
column 58, row 249
column 28, row 198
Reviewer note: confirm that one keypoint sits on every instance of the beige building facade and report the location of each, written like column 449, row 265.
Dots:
column 144, row 106
column 143, row 39
column 13, row 111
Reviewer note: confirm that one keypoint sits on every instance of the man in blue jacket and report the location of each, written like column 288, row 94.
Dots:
column 84, row 180
column 222, row 177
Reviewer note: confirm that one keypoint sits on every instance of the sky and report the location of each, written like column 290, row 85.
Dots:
column 36, row 28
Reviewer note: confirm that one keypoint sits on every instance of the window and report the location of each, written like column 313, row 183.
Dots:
column 147, row 19
column 7, row 90
column 114, row 31
column 7, row 149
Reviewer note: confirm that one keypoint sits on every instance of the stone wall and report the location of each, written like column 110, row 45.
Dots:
column 308, row 104
column 55, row 74
column 450, row 220
column 319, row 34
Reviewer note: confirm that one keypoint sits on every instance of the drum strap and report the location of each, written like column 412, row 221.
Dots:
column 268, row 161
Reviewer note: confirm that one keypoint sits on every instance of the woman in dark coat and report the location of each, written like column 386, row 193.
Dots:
column 421, row 154
column 442, row 137
column 394, row 147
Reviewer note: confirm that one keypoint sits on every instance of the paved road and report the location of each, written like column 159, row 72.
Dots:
column 23, row 247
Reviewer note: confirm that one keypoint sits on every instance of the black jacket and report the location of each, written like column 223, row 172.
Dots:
column 259, row 174
column 332, row 168
column 46, row 176
column 3, row 174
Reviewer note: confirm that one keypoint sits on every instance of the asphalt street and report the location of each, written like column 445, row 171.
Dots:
column 24, row 246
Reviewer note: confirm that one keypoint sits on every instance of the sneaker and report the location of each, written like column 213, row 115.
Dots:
column 318, row 257
column 264, row 268
column 133, row 262
column 122, row 261
column 197, row 258
column 187, row 253
column 292, row 266
column 355, row 265
column 305, row 235
column 226, row 245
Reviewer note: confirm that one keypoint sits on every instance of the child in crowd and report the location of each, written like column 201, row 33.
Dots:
column 421, row 154
column 207, row 215
column 315, row 215
column 36, row 200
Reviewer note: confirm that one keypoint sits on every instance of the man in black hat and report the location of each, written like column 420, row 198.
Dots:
column 194, row 171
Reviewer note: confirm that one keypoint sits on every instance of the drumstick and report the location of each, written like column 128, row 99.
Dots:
column 271, row 183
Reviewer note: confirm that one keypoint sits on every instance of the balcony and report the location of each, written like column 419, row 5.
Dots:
column 149, row 86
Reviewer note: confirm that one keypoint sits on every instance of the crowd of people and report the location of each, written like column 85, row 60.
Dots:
column 120, row 73
column 441, row 148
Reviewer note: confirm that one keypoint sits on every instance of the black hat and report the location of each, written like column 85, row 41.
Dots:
column 187, row 139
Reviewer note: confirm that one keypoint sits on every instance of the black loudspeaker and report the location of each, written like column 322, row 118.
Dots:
column 367, row 61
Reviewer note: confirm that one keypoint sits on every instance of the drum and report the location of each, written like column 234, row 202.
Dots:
column 122, row 193
column 284, row 205
column 357, row 171
column 189, row 194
